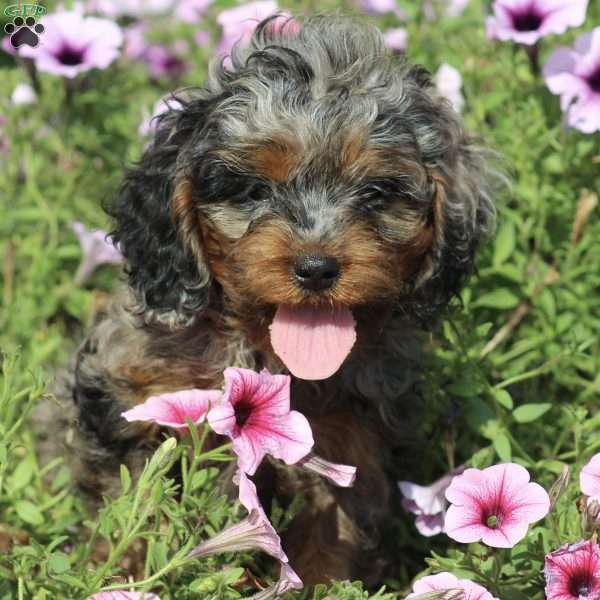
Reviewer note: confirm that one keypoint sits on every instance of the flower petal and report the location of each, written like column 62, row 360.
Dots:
column 172, row 410
column 589, row 478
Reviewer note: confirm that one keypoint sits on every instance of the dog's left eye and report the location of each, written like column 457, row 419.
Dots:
column 376, row 193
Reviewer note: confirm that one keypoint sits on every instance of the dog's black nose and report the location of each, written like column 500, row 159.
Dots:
column 316, row 272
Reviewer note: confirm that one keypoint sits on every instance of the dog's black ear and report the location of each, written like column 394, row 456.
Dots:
column 462, row 215
column 164, row 263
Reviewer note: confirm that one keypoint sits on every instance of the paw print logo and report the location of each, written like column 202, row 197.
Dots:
column 24, row 31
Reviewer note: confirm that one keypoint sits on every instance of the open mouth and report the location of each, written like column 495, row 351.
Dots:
column 313, row 341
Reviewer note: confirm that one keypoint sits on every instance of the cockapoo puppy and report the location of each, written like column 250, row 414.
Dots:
column 306, row 210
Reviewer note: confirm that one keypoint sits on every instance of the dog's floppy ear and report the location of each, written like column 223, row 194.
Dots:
column 462, row 214
column 164, row 263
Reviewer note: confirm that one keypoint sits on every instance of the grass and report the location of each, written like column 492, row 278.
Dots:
column 516, row 371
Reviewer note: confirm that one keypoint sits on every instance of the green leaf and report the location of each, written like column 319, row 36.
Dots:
column 501, row 299
column 29, row 512
column 125, row 479
column 22, row 475
column 232, row 575
column 505, row 243
column 526, row 413
column 503, row 398
column 465, row 388
column 502, row 447
column 58, row 562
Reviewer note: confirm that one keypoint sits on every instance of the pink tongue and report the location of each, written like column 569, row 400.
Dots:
column 313, row 342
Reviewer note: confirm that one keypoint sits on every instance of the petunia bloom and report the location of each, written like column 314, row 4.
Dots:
column 23, row 95
column 382, row 7
column 191, row 11
column 74, row 43
column 97, row 250
column 130, row 8
column 255, row 413
column 589, row 478
column 240, row 22
column 574, row 74
column 396, row 39
column 526, row 21
column 172, row 410
column 340, row 475
column 163, row 63
column 428, row 503
column 123, row 595
column 449, row 84
column 149, row 121
column 494, row 505
column 573, row 572
column 447, row 581
column 252, row 533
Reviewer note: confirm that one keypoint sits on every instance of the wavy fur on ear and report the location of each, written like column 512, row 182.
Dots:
column 167, row 273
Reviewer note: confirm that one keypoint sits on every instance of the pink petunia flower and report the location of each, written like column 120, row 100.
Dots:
column 340, row 475
column 191, row 11
column 396, row 39
column 123, row 595
column 449, row 84
column 130, row 8
column 574, row 74
column 97, row 250
column 23, row 95
column 74, row 43
column 136, row 44
column 428, row 503
column 240, row 22
column 254, row 532
column 382, row 7
column 589, row 478
column 255, row 413
column 447, row 581
column 494, row 505
column 150, row 121
column 526, row 21
column 573, row 572
column 172, row 410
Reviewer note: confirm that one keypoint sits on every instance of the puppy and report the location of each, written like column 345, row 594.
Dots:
column 306, row 210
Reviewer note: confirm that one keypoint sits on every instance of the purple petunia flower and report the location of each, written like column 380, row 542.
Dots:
column 526, row 21
column 428, row 503
column 97, row 250
column 163, row 63
column 574, row 75
column 74, row 43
